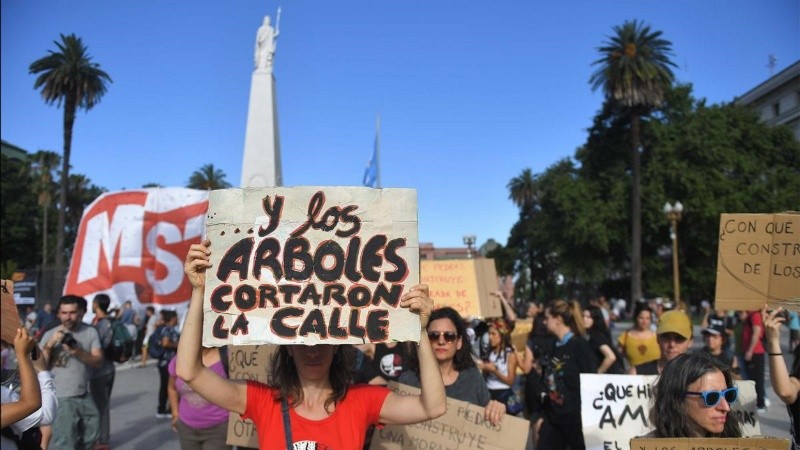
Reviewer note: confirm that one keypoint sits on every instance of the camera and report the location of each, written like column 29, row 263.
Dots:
column 69, row 340
column 783, row 314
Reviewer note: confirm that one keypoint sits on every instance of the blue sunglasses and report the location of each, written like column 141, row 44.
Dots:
column 712, row 398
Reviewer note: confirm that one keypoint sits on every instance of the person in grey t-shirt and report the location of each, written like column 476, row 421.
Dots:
column 74, row 349
column 462, row 379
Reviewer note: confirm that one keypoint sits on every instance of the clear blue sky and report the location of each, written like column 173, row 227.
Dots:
column 469, row 93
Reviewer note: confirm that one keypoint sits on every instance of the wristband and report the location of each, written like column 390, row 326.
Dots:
column 775, row 354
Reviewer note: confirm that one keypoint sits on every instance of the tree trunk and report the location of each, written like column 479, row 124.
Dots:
column 44, row 236
column 636, row 211
column 532, row 263
column 70, row 106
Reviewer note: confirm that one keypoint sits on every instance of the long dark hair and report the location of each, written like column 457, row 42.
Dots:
column 463, row 357
column 283, row 376
column 598, row 321
column 668, row 413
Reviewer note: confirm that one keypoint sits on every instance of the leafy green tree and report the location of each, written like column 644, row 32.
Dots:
column 634, row 71
column 68, row 76
column 152, row 185
column 44, row 163
column 18, row 238
column 208, row 178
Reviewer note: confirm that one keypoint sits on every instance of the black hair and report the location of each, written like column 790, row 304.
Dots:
column 283, row 376
column 668, row 413
column 598, row 321
column 70, row 299
column 102, row 301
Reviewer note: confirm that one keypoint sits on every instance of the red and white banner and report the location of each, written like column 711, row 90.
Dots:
column 132, row 244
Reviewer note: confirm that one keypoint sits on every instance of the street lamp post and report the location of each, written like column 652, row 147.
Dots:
column 673, row 213
column 469, row 241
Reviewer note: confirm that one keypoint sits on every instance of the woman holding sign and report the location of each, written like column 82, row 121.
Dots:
column 463, row 381
column 693, row 398
column 786, row 384
column 309, row 399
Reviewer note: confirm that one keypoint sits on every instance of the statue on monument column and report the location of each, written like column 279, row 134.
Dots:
column 266, row 43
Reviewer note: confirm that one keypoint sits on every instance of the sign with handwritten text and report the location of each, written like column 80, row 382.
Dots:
column 463, row 426
column 758, row 261
column 466, row 285
column 247, row 362
column 310, row 265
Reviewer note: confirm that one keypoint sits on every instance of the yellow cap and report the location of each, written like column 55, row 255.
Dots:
column 675, row 322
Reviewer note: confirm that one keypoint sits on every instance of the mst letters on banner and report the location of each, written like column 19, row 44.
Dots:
column 310, row 265
column 616, row 408
column 758, row 261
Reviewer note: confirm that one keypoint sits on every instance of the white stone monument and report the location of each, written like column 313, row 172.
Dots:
column 261, row 165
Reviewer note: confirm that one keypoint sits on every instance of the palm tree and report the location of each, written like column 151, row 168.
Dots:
column 69, row 76
column 208, row 178
column 44, row 162
column 634, row 72
column 524, row 193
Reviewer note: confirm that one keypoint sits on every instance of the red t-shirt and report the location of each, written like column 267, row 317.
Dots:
column 344, row 429
column 753, row 318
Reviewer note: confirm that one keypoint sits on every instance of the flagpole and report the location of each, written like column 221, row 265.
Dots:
column 378, row 149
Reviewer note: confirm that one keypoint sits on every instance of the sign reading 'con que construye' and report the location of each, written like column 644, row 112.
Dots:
column 310, row 265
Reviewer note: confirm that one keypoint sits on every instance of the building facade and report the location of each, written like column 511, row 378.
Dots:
column 777, row 100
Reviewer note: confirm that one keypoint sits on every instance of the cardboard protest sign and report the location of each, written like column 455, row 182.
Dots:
column 131, row 245
column 247, row 362
column 462, row 427
column 762, row 443
column 310, row 265
column 616, row 408
column 758, row 261
column 466, row 285
column 9, row 320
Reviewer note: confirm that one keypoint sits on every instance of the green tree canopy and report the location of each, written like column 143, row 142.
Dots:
column 208, row 178
column 634, row 72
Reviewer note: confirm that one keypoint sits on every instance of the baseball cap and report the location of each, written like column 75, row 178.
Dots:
column 714, row 322
column 715, row 328
column 675, row 322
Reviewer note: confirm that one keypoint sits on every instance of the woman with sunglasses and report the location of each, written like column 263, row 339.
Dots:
column 309, row 398
column 462, row 379
column 692, row 398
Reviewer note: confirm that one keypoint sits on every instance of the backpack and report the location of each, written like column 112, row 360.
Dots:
column 119, row 347
column 154, row 348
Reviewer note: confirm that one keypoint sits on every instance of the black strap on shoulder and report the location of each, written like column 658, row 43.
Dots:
column 287, row 424
column 223, row 356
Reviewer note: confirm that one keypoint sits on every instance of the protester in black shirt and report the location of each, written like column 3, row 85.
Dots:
column 608, row 358
column 571, row 356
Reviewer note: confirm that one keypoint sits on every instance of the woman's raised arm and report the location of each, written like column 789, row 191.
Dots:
column 228, row 394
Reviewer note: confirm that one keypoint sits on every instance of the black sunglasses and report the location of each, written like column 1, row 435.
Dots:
column 449, row 336
column 712, row 398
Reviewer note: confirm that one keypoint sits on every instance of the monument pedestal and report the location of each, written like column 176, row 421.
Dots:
column 261, row 164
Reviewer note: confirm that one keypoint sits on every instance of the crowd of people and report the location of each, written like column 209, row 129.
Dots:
column 74, row 374
column 334, row 395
